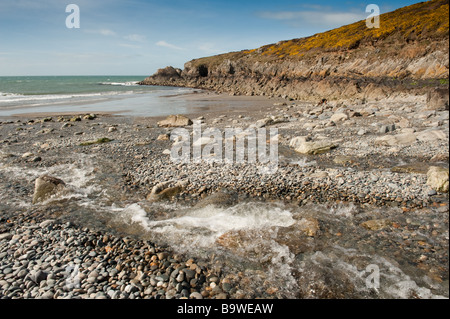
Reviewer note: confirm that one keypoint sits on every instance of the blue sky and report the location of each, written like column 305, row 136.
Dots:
column 136, row 37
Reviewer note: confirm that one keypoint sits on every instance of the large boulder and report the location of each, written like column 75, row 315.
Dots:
column 395, row 140
column 298, row 141
column 45, row 187
column 437, row 178
column 166, row 194
column 303, row 146
column 175, row 121
column 339, row 117
column 161, row 191
column 431, row 135
column 262, row 123
column 437, row 99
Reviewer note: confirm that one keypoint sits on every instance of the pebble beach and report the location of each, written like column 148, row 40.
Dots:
column 119, row 228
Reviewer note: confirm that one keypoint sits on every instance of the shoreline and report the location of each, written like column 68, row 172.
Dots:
column 381, row 182
column 201, row 96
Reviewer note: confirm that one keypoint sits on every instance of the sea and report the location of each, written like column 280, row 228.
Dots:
column 121, row 95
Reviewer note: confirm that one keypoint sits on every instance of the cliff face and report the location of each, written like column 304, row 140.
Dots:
column 408, row 53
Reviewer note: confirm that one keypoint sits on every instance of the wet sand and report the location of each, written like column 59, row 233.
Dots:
column 202, row 102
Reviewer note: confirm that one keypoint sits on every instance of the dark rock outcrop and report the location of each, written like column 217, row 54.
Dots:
column 169, row 74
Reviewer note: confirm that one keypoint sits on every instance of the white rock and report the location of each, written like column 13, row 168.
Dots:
column 431, row 135
column 262, row 123
column 339, row 117
column 46, row 186
column 163, row 137
column 409, row 130
column 47, row 223
column 6, row 236
column 175, row 121
column 394, row 140
column 196, row 295
column 159, row 187
column 362, row 131
column 298, row 141
column 437, row 178
column 204, row 140
column 319, row 174
column 316, row 147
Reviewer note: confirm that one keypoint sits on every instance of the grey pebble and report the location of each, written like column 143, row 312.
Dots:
column 7, row 271
column 432, row 192
column 195, row 295
column 47, row 295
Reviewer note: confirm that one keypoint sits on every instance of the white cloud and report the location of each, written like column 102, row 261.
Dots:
column 316, row 7
column 131, row 46
column 104, row 32
column 107, row 32
column 168, row 45
column 29, row 4
column 135, row 37
column 315, row 18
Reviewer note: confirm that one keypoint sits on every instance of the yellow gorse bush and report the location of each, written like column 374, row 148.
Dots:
column 422, row 21
column 429, row 19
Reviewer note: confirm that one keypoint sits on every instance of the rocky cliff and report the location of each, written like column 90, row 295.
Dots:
column 409, row 53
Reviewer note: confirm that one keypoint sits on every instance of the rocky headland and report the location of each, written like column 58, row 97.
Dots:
column 407, row 55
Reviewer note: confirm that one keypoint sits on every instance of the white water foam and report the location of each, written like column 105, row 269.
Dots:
column 9, row 97
column 4, row 95
column 78, row 177
column 197, row 230
column 130, row 83
column 304, row 163
column 346, row 211
column 393, row 282
column 202, row 227
column 13, row 100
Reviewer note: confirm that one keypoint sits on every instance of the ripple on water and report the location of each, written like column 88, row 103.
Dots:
column 283, row 249
column 316, row 251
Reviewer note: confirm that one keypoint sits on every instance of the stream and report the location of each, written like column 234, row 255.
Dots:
column 269, row 248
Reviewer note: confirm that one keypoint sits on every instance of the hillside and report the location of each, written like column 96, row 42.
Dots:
column 408, row 53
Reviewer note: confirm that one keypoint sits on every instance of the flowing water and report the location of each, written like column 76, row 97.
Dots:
column 280, row 250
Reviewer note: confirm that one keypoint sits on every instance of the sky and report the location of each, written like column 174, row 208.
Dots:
column 137, row 37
